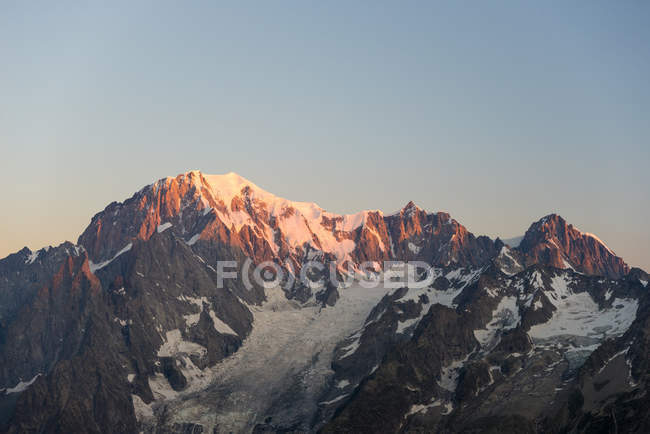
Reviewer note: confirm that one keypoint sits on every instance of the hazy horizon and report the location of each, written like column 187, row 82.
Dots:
column 498, row 114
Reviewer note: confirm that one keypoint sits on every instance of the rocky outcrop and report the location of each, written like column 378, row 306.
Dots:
column 437, row 239
column 552, row 241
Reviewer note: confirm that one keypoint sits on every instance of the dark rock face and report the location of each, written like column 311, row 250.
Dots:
column 32, row 339
column 94, row 337
column 23, row 273
column 492, row 361
column 407, row 375
column 94, row 341
column 391, row 322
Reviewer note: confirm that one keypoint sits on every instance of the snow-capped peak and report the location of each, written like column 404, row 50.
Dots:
column 301, row 223
column 228, row 186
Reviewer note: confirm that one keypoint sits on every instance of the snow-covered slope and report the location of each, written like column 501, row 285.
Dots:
column 279, row 372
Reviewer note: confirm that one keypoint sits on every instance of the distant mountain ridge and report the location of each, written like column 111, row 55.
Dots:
column 230, row 210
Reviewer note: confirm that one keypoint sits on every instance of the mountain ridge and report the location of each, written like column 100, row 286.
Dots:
column 184, row 351
column 227, row 204
column 215, row 194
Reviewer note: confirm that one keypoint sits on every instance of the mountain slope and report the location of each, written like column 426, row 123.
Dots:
column 133, row 329
column 495, row 356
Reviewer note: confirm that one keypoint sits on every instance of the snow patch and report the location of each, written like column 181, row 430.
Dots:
column 505, row 252
column 163, row 227
column 445, row 298
column 342, row 384
column 504, row 317
column 22, row 385
column 193, row 318
column 142, row 410
column 94, row 267
column 578, row 314
column 352, row 348
column 567, row 265
column 32, row 257
column 174, row 344
column 219, row 325
column 413, row 248
column 423, row 408
column 337, row 399
column 449, row 374
column 620, row 353
column 193, row 240
column 536, row 280
column 161, row 388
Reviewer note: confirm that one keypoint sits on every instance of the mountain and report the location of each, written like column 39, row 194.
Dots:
column 505, row 354
column 228, row 215
column 136, row 328
column 552, row 241
column 230, row 210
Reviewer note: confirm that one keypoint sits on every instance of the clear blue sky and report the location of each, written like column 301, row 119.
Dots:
column 498, row 112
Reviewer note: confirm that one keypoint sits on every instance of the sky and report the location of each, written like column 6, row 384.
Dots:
column 498, row 112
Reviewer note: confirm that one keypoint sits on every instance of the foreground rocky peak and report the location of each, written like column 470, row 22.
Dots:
column 552, row 241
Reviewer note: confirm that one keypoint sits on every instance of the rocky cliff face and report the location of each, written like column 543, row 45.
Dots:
column 552, row 241
column 129, row 330
column 93, row 346
column 23, row 273
column 508, row 353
